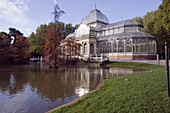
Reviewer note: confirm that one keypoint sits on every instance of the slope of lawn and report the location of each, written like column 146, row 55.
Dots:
column 135, row 93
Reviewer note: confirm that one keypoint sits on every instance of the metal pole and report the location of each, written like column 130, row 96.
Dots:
column 167, row 67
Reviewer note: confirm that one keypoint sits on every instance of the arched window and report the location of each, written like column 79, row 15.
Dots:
column 91, row 48
column 114, row 47
column 121, row 46
column 128, row 45
column 85, row 48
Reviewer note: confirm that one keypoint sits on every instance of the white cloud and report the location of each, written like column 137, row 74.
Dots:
column 55, row 1
column 15, row 12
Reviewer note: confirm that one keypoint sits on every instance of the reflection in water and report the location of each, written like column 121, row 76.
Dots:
column 80, row 91
column 30, row 89
column 12, row 84
column 12, row 81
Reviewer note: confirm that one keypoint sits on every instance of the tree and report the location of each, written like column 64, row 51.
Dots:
column 36, row 41
column 139, row 19
column 20, row 48
column 70, row 48
column 157, row 23
column 77, row 25
column 5, row 53
column 69, row 29
column 14, row 32
column 51, row 50
column 52, row 55
column 41, row 31
column 15, row 52
column 35, row 45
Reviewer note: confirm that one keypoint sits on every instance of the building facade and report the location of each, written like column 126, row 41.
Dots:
column 120, row 40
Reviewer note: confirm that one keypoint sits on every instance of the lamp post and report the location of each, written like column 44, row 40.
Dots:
column 167, row 67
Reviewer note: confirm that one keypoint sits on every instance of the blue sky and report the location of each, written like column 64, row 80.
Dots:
column 27, row 15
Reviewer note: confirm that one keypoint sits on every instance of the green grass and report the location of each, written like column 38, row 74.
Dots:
column 143, row 92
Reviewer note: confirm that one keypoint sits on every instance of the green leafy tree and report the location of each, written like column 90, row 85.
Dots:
column 157, row 23
column 148, row 22
column 77, row 25
column 41, row 30
column 35, row 45
column 139, row 19
column 69, row 29
column 36, row 41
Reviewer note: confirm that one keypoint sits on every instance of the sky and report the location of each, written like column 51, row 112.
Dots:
column 27, row 15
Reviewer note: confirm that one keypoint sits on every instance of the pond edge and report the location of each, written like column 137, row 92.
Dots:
column 99, row 86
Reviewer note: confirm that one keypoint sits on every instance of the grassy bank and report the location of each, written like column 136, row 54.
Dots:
column 136, row 93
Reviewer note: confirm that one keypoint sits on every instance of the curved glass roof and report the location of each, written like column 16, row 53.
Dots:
column 129, row 22
column 95, row 16
column 126, row 35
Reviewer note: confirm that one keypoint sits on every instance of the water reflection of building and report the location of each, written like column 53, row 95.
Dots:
column 12, row 81
column 84, row 85
column 82, row 79
column 56, row 84
column 50, row 88
column 12, row 84
column 87, row 82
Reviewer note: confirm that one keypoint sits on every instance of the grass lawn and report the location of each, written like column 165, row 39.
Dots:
column 137, row 93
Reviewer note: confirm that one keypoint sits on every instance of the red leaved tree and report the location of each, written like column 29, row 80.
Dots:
column 20, row 48
column 70, row 48
column 52, row 50
column 5, row 48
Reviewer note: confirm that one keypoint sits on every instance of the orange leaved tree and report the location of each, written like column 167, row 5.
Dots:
column 20, row 48
column 5, row 48
column 70, row 48
column 52, row 51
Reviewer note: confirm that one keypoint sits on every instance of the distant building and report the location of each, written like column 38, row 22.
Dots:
column 120, row 40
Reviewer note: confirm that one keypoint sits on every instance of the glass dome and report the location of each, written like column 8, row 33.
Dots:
column 95, row 16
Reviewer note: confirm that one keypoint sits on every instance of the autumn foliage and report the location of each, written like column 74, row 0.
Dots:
column 70, row 48
column 20, row 48
column 4, row 48
column 48, row 41
column 52, row 50
column 13, row 52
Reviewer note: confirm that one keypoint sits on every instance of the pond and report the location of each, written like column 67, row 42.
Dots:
column 31, row 89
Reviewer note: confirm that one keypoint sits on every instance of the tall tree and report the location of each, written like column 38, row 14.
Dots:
column 158, row 24
column 41, row 30
column 36, row 41
column 35, row 45
column 20, row 48
column 52, row 54
column 5, row 52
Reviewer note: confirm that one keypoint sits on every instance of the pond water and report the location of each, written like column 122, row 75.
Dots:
column 31, row 89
